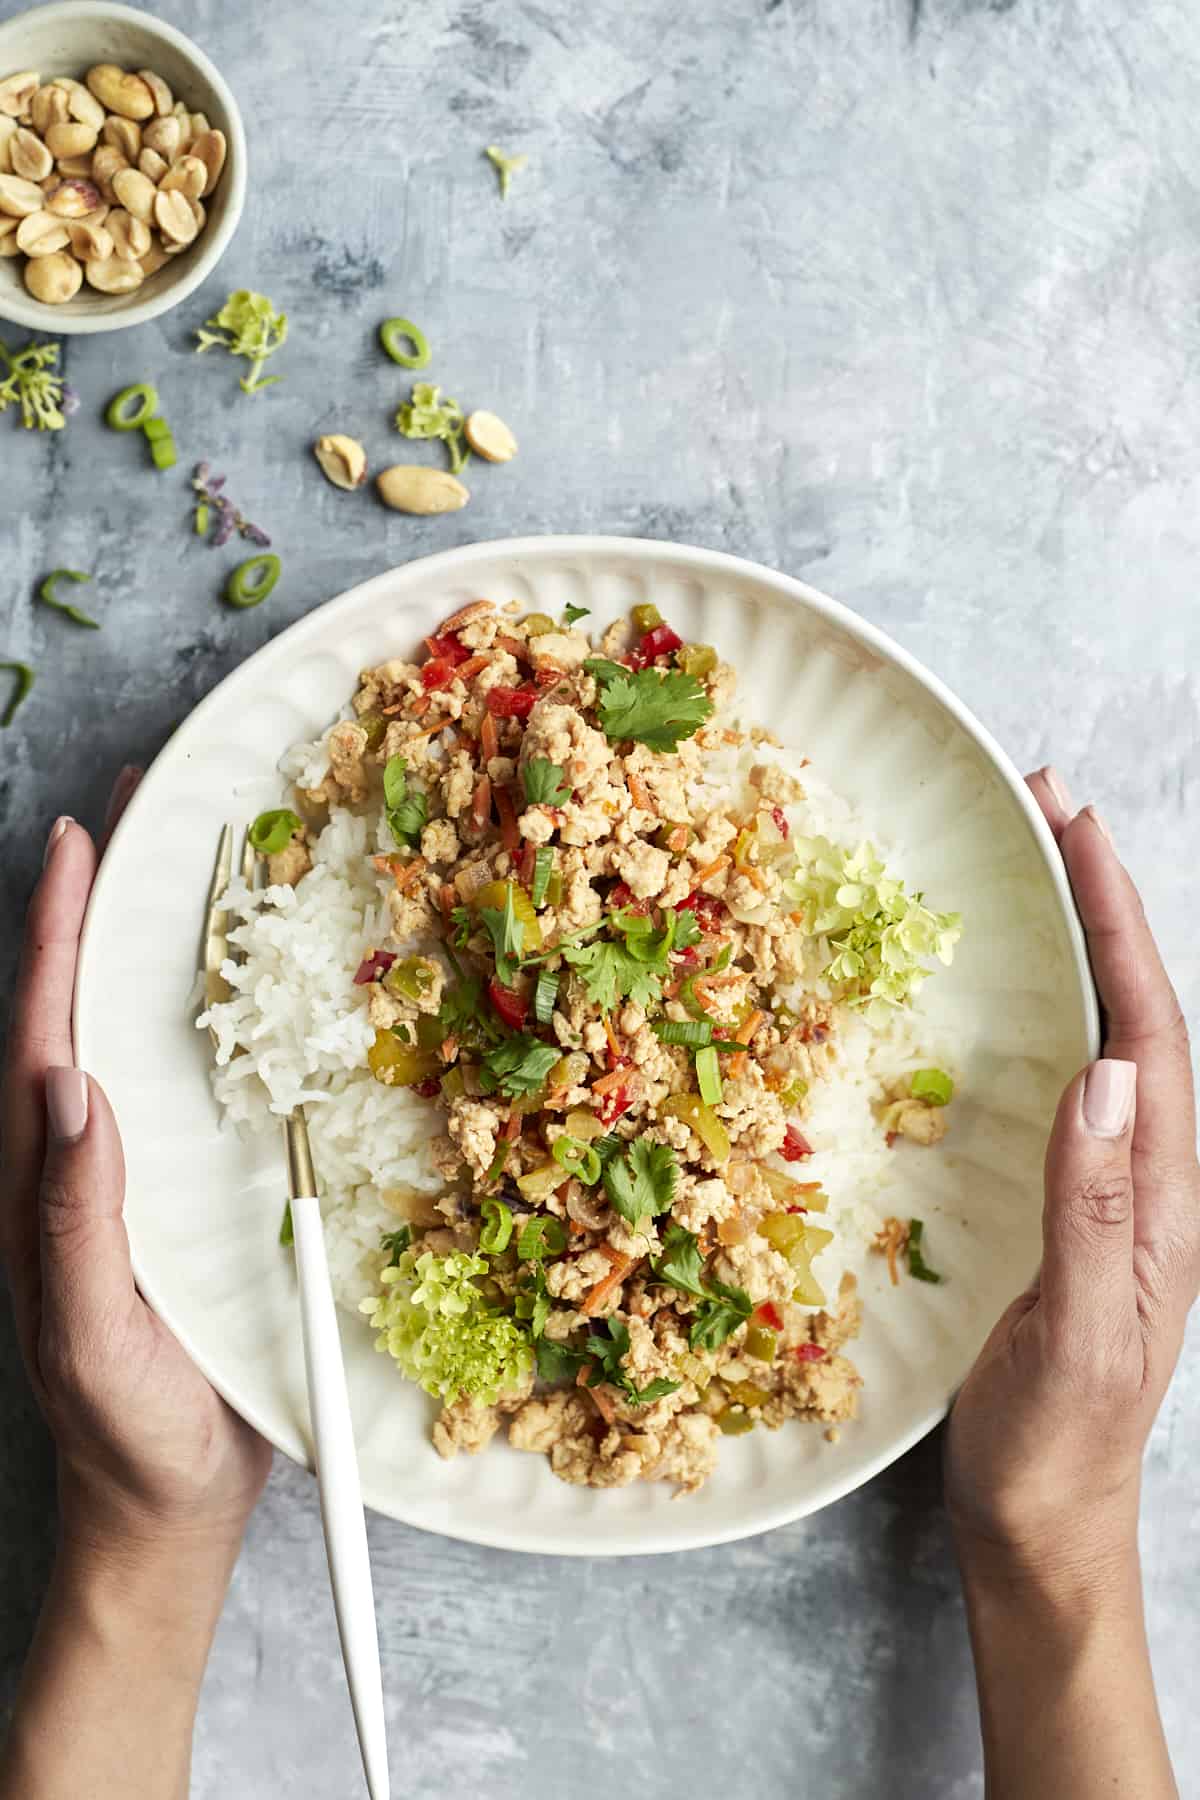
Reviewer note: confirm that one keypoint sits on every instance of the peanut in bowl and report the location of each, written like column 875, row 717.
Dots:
column 122, row 167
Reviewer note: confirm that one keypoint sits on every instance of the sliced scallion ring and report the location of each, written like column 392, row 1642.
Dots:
column 118, row 415
column 497, row 1227
column 392, row 334
column 49, row 597
column 162, row 444
column 252, row 580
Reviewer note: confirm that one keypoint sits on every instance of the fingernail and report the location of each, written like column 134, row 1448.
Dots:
column 66, row 1104
column 1059, row 791
column 57, row 830
column 1108, row 1090
column 1101, row 824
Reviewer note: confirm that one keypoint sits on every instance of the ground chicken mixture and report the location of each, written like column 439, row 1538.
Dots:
column 584, row 975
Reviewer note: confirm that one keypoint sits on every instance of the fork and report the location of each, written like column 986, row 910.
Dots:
column 342, row 1515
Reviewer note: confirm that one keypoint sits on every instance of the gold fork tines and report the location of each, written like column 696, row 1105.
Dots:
column 214, row 945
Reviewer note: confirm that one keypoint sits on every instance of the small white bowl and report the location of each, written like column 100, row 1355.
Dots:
column 68, row 38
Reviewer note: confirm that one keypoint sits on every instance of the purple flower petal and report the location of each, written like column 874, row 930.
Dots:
column 256, row 535
column 70, row 399
column 216, row 482
column 200, row 474
column 224, row 530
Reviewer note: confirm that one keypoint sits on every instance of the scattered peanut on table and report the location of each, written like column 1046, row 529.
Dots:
column 102, row 180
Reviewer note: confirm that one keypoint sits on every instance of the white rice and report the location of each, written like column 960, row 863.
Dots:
column 297, row 1032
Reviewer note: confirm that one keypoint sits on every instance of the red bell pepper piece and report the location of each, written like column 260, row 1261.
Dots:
column 373, row 967
column 708, row 909
column 795, row 1146
column 449, row 647
column 810, row 1353
column 768, row 1314
column 510, row 702
column 661, row 641
column 510, row 833
column 512, row 1007
column 777, row 814
column 429, row 1088
column 612, row 1105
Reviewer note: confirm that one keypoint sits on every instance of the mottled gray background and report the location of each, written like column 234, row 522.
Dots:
column 898, row 295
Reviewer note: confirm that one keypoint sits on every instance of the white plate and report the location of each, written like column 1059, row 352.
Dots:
column 203, row 1207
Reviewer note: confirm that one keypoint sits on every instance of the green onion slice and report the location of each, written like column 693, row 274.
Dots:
column 48, row 597
column 497, row 1227
column 708, row 1075
column 499, row 1160
column 577, row 1158
column 392, row 334
column 272, row 832
column 541, row 1238
column 253, row 580
column 143, row 395
column 25, row 680
column 202, row 518
column 544, row 996
column 918, row 1268
column 933, row 1085
column 162, row 445
column 693, row 1034
column 543, row 868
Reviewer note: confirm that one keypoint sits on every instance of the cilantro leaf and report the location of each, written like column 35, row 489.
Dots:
column 722, row 1309
column 532, row 1303
column 557, row 1362
column 463, row 923
column 576, row 612
column 608, row 1352
column 247, row 325
column 396, row 1243
column 545, row 783
column 33, row 384
column 520, row 1064
column 462, row 1015
column 681, row 1263
column 407, row 821
column 611, row 972
column 507, row 934
column 719, row 1316
column 653, row 708
column 641, row 1183
column 687, row 932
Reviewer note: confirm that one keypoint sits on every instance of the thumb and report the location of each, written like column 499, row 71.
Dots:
column 86, row 1271
column 1087, row 1224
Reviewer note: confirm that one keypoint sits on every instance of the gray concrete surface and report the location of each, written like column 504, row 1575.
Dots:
column 902, row 296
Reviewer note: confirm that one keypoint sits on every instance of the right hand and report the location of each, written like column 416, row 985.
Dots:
column 1044, row 1449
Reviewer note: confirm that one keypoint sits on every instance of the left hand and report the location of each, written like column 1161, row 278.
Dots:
column 150, row 1458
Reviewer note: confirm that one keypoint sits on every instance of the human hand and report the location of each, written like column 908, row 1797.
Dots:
column 1044, row 1449
column 150, row 1458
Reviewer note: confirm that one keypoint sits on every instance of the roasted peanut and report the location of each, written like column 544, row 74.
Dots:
column 416, row 488
column 75, row 166
column 161, row 94
column 41, row 234
column 8, row 131
column 135, row 193
column 189, row 175
column 211, row 148
column 73, row 199
column 53, row 279
column 107, row 161
column 29, row 157
column 164, row 137
column 153, row 260
column 130, row 236
column 174, row 217
column 152, row 165
column 121, row 92
column 343, row 460
column 490, row 437
column 124, row 135
column 48, row 107
column 89, row 242
column 115, row 275
column 8, row 238
column 70, row 139
column 18, row 197
column 80, row 104
column 16, row 93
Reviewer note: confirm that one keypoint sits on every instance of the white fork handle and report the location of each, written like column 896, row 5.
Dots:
column 341, row 1495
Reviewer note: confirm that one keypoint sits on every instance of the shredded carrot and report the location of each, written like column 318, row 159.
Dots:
column 598, row 1397
column 889, row 1240
column 613, row 1254
column 796, row 918
column 608, row 1284
column 756, row 876
column 640, row 793
column 448, row 1049
column 677, row 840
column 446, row 900
column 607, row 1084
column 714, row 868
column 671, row 988
column 733, row 737
column 513, row 1128
column 471, row 667
column 474, row 609
column 481, row 802
column 575, row 1226
column 489, row 738
column 744, row 1034
column 420, row 705
column 387, row 865
column 431, row 730
column 527, row 864
column 510, row 835
column 614, row 1042
column 404, row 877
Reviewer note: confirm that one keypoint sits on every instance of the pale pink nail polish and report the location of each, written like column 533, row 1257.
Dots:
column 1108, row 1090
column 1059, row 791
column 1101, row 824
column 66, row 1104
column 57, row 831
